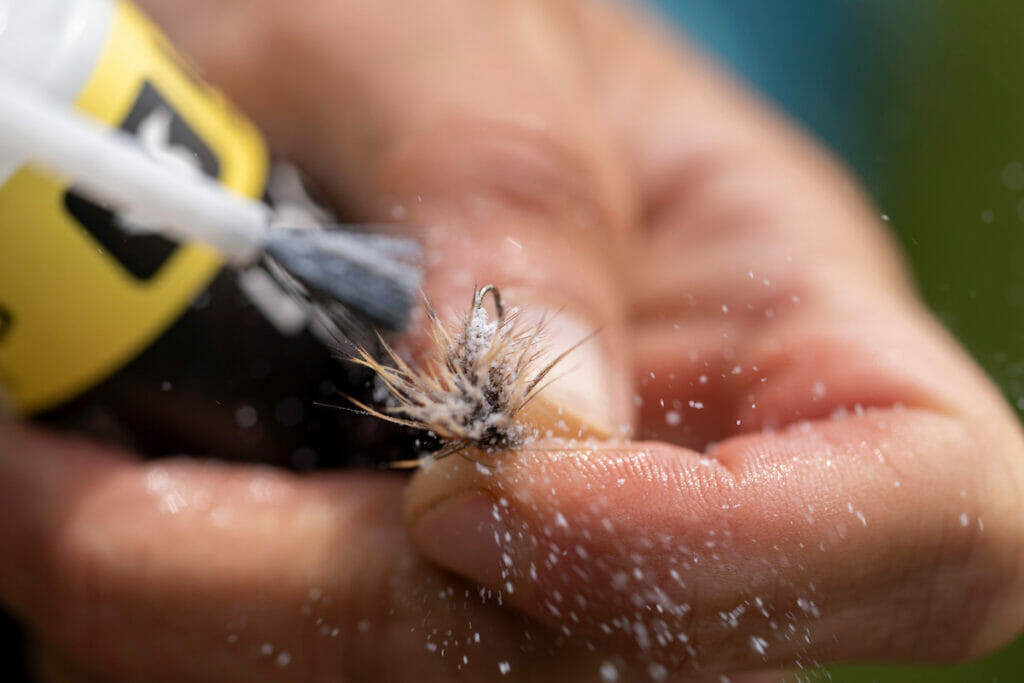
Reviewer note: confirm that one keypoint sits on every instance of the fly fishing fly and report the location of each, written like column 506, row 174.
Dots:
column 470, row 391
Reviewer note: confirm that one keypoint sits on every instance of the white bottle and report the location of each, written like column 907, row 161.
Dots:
column 80, row 297
column 50, row 47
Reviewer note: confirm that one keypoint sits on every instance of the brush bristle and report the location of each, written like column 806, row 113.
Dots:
column 374, row 275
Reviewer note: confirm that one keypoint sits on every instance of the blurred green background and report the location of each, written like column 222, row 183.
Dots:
column 925, row 100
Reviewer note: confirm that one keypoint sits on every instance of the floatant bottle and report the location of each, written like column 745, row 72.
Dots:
column 130, row 336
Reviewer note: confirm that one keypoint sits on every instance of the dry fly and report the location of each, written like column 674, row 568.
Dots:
column 481, row 375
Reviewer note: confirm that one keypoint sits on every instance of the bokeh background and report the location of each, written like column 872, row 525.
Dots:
column 924, row 99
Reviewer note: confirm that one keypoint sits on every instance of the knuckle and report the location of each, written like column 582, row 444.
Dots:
column 489, row 168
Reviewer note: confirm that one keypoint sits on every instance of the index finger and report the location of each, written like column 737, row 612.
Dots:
column 882, row 536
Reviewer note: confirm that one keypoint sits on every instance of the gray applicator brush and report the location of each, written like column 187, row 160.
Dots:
column 373, row 275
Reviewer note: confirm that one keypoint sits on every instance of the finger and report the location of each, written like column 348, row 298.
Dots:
column 894, row 534
column 809, row 362
column 718, row 167
column 181, row 570
column 753, row 235
column 475, row 124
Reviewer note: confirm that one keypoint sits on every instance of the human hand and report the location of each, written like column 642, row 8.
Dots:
column 568, row 153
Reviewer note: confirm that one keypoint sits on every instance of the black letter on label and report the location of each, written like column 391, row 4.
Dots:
column 6, row 322
column 166, row 136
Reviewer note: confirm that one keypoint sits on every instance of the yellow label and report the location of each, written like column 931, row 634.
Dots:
column 79, row 297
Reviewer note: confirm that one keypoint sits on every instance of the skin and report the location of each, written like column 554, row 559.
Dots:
column 862, row 497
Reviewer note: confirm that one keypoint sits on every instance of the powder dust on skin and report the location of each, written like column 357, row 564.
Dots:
column 598, row 563
column 653, row 609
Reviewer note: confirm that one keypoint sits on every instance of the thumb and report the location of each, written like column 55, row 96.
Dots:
column 497, row 209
